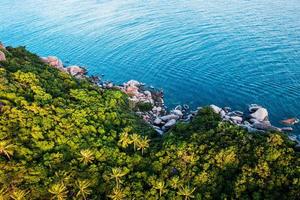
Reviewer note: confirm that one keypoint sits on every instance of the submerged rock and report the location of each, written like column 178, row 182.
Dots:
column 290, row 121
column 287, row 129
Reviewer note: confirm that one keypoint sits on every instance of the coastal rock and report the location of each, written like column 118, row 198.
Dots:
column 132, row 90
column 222, row 113
column 254, row 107
column 260, row 114
column 265, row 126
column 216, row 109
column 227, row 109
column 2, row 56
column 170, row 123
column 133, row 83
column 178, row 113
column 237, row 119
column 54, row 62
column 147, row 93
column 169, row 117
column 290, row 121
column 157, row 109
column 287, row 129
column 157, row 121
column 75, row 70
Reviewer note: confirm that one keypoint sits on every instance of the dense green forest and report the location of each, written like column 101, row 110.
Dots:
column 66, row 138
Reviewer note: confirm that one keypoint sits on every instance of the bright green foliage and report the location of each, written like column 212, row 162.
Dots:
column 65, row 138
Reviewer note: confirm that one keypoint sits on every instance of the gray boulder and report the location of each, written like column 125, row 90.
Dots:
column 157, row 121
column 216, row 109
column 260, row 114
column 170, row 123
column 169, row 117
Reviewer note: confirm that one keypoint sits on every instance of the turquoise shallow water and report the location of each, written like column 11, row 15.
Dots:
column 230, row 53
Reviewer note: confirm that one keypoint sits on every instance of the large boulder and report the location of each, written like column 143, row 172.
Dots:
column 178, row 113
column 170, row 123
column 157, row 121
column 2, row 56
column 216, row 109
column 261, row 114
column 75, row 70
column 132, row 83
column 169, row 117
column 54, row 62
column 236, row 119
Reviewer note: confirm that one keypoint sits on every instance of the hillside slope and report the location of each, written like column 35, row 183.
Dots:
column 65, row 138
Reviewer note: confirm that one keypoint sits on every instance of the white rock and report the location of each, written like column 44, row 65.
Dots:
column 177, row 112
column 159, row 109
column 157, row 121
column 237, row 118
column 223, row 113
column 133, row 83
column 75, row 70
column 216, row 109
column 169, row 117
column 170, row 123
column 260, row 114
column 287, row 129
column 147, row 93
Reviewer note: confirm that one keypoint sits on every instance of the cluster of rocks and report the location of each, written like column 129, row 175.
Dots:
column 256, row 119
column 74, row 70
column 158, row 115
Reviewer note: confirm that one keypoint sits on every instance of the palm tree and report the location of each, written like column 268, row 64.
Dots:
column 117, row 194
column 83, row 187
column 59, row 191
column 3, row 194
column 135, row 139
column 18, row 194
column 87, row 156
column 159, row 185
column 186, row 192
column 124, row 140
column 117, row 173
column 175, row 182
column 6, row 148
column 143, row 144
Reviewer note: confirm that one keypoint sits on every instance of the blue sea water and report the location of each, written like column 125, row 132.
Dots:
column 229, row 53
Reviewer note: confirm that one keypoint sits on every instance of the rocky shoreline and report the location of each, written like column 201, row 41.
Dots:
column 148, row 103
